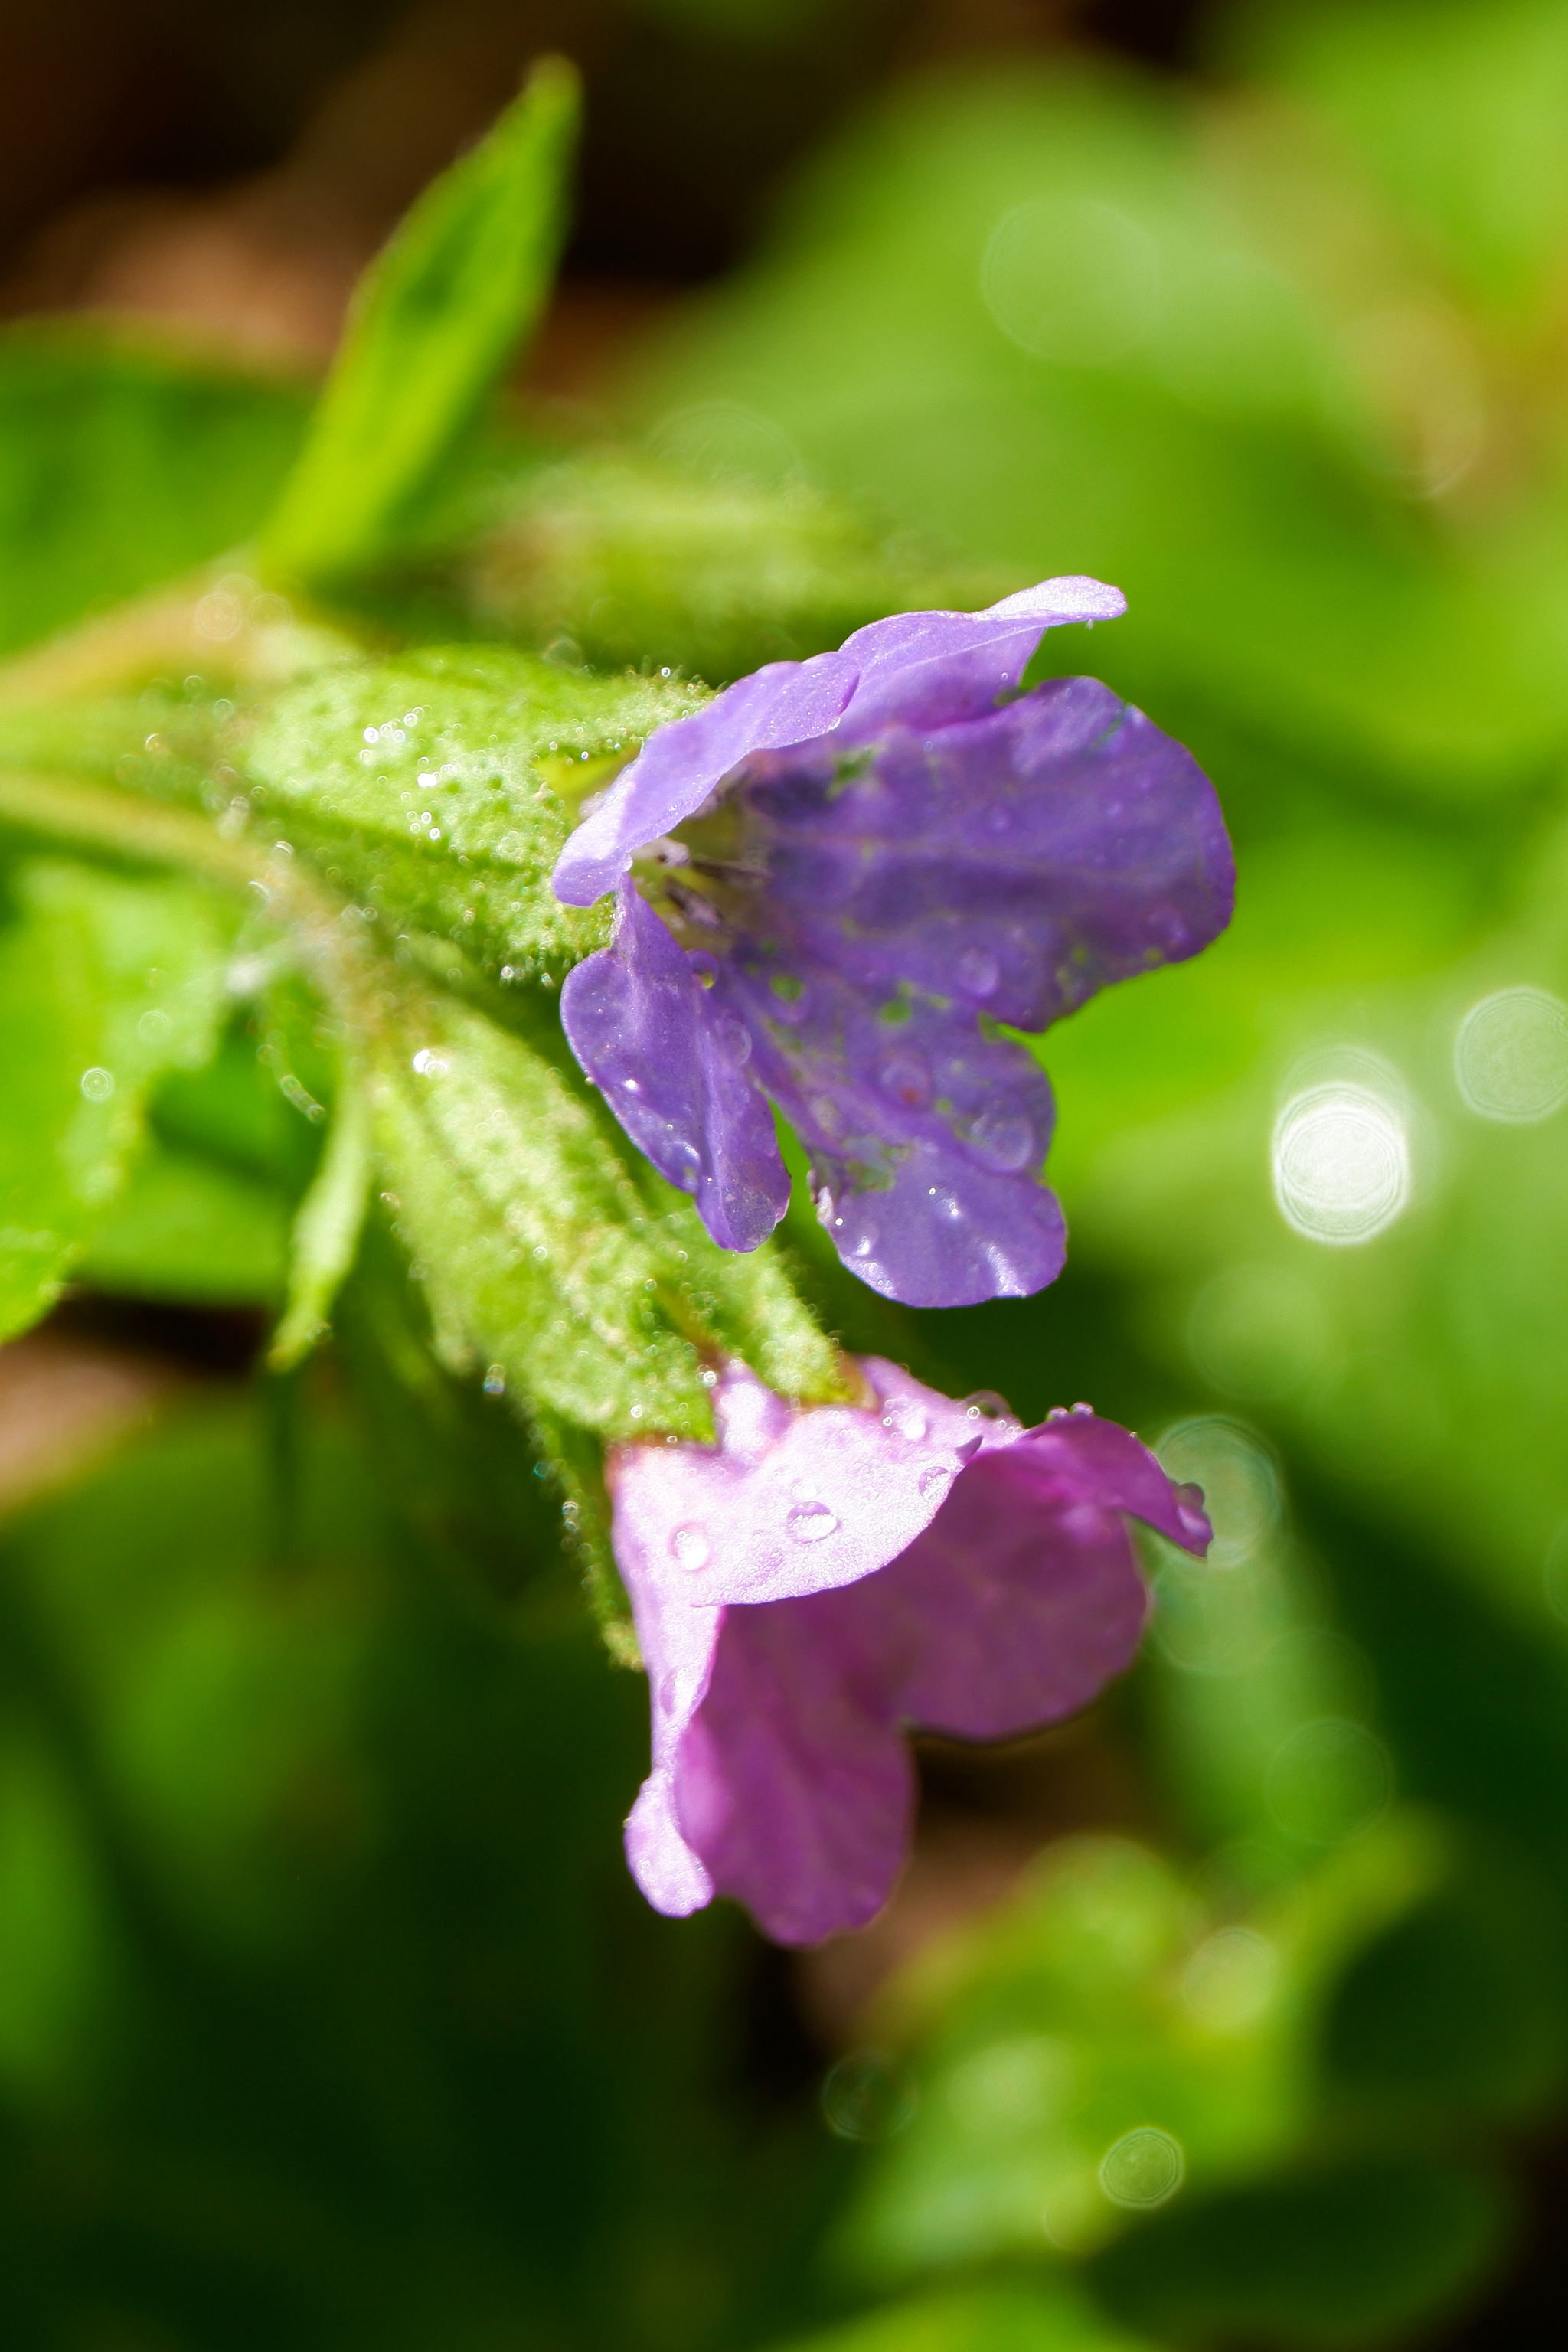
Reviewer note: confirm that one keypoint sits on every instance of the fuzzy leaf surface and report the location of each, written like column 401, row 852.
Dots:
column 441, row 786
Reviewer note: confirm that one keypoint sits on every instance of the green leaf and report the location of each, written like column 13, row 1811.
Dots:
column 711, row 567
column 1070, row 319
column 1457, row 105
column 327, row 1227
column 104, row 983
column 1000, row 2315
column 589, row 1291
column 1348, row 2255
column 592, row 1285
column 123, row 465
column 436, row 318
column 189, row 1228
column 439, row 788
column 1100, row 2045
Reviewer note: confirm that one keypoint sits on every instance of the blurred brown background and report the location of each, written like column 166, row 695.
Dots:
column 232, row 170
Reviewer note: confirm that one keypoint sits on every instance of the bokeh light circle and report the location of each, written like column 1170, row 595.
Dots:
column 1342, row 1163
column 1511, row 1055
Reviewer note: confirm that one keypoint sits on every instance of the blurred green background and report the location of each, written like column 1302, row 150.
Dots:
column 1237, row 2014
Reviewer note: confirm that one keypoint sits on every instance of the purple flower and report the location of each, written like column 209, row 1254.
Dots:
column 827, row 1575
column 884, row 856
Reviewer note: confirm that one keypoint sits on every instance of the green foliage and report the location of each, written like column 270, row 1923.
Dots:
column 441, row 787
column 709, row 556
column 1002, row 2316
column 590, row 1293
column 123, row 465
column 1104, row 2044
column 435, row 319
column 327, row 1229
column 1351, row 2256
column 406, row 2057
column 1070, row 321
column 1456, row 109
column 106, row 983
column 187, row 1228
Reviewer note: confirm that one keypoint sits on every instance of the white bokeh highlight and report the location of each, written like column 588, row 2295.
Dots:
column 1511, row 1055
column 1341, row 1162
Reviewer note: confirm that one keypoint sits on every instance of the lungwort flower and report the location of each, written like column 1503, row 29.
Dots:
column 828, row 1576
column 883, row 853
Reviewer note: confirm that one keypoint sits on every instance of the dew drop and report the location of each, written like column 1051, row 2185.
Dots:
column 691, row 1548
column 985, row 1404
column 979, row 972
column 810, row 1522
column 935, row 1481
column 907, row 1080
column 1002, row 1140
column 909, row 1420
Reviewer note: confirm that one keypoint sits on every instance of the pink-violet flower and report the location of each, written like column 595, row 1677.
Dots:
column 826, row 1578
column 883, row 853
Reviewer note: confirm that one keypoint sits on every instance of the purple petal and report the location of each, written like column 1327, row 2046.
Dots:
column 1013, row 863
column 696, row 1524
column 672, row 775
column 788, row 1784
column 1022, row 1598
column 671, row 1062
column 930, row 669
column 1001, row 869
column 825, row 1496
column 926, row 1140
column 793, row 1785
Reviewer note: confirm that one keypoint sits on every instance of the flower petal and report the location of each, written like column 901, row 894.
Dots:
column 694, row 1525
column 829, row 1493
column 671, row 1062
column 1023, row 1597
column 926, row 1140
column 672, row 775
column 930, row 669
column 1013, row 865
column 792, row 1783
column 1014, row 1607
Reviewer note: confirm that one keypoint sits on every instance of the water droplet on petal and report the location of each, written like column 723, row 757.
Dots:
column 907, row 1080
column 935, row 1481
column 1002, row 1140
column 985, row 1404
column 1083, row 1408
column 691, row 1548
column 979, row 972
column 810, row 1522
column 909, row 1420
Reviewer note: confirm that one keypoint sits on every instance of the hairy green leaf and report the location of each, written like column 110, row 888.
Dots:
column 704, row 561
column 441, row 786
column 437, row 317
column 104, row 983
column 593, row 1289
